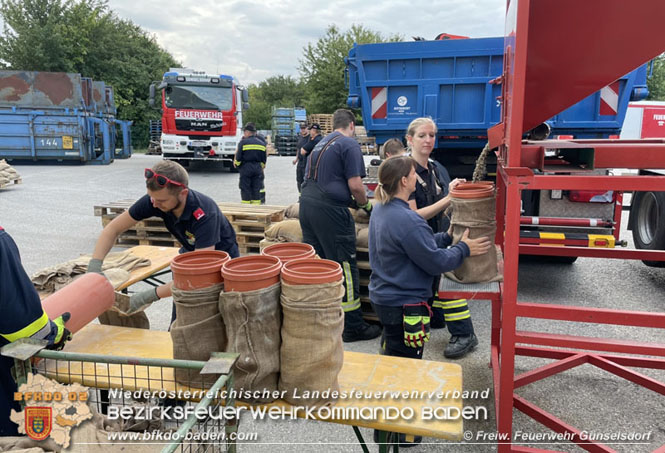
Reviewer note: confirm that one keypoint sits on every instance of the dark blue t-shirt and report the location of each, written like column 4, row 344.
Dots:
column 341, row 161
column 201, row 224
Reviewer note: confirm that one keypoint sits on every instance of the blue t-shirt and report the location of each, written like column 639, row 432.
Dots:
column 201, row 224
column 341, row 161
column 406, row 255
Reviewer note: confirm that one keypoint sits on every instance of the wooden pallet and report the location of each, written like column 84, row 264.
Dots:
column 365, row 271
column 129, row 240
column 325, row 120
column 11, row 182
column 248, row 221
column 249, row 249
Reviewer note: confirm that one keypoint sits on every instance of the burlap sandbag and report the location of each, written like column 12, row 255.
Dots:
column 115, row 317
column 293, row 211
column 288, row 230
column 478, row 215
column 253, row 320
column 263, row 243
column 312, row 353
column 362, row 238
column 196, row 305
column 197, row 340
column 117, row 314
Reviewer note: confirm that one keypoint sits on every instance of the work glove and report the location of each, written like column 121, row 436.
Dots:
column 139, row 300
column 95, row 265
column 59, row 333
column 367, row 207
column 416, row 324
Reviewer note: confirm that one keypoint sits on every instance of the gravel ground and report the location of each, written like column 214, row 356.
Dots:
column 50, row 215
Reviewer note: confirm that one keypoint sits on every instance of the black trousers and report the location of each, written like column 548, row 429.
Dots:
column 329, row 227
column 300, row 175
column 392, row 338
column 251, row 181
column 7, row 403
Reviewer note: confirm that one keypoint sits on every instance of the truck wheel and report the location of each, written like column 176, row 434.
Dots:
column 649, row 226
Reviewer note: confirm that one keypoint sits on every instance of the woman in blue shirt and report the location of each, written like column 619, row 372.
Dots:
column 405, row 256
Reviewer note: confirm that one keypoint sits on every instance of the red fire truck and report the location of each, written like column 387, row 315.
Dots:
column 201, row 115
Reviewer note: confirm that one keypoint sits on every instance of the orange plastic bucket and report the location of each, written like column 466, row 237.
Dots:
column 289, row 251
column 311, row 271
column 471, row 190
column 87, row 297
column 198, row 269
column 249, row 273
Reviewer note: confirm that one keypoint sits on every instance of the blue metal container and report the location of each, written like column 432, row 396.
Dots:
column 394, row 83
column 59, row 116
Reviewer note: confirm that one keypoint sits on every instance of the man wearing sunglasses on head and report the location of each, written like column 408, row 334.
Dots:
column 193, row 218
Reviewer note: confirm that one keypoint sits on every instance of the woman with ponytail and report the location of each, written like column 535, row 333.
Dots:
column 405, row 256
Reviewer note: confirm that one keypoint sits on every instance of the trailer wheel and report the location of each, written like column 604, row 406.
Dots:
column 649, row 224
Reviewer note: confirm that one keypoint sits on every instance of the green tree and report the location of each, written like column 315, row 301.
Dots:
column 276, row 91
column 86, row 37
column 322, row 66
column 656, row 83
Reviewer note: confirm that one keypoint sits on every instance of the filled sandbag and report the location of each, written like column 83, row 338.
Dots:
column 478, row 215
column 263, row 243
column 285, row 231
column 253, row 320
column 360, row 215
column 312, row 354
column 293, row 211
column 196, row 340
column 196, row 305
column 362, row 238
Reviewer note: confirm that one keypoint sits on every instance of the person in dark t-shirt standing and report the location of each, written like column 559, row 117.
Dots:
column 333, row 182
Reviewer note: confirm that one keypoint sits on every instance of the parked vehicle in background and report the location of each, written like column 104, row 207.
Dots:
column 457, row 82
column 201, row 116
column 59, row 116
column 646, row 120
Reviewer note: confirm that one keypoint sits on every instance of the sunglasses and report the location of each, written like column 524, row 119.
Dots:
column 161, row 179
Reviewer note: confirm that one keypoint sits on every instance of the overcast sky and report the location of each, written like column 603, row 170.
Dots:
column 254, row 40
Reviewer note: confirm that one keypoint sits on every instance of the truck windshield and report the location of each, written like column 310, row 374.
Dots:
column 198, row 97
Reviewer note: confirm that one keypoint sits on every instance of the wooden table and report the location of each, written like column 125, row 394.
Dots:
column 160, row 258
column 360, row 372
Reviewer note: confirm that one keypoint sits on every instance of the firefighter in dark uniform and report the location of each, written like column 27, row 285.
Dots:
column 333, row 182
column 301, row 160
column 250, row 159
column 430, row 199
column 22, row 317
column 192, row 217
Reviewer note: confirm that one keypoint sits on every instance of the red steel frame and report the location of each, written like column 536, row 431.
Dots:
column 525, row 77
